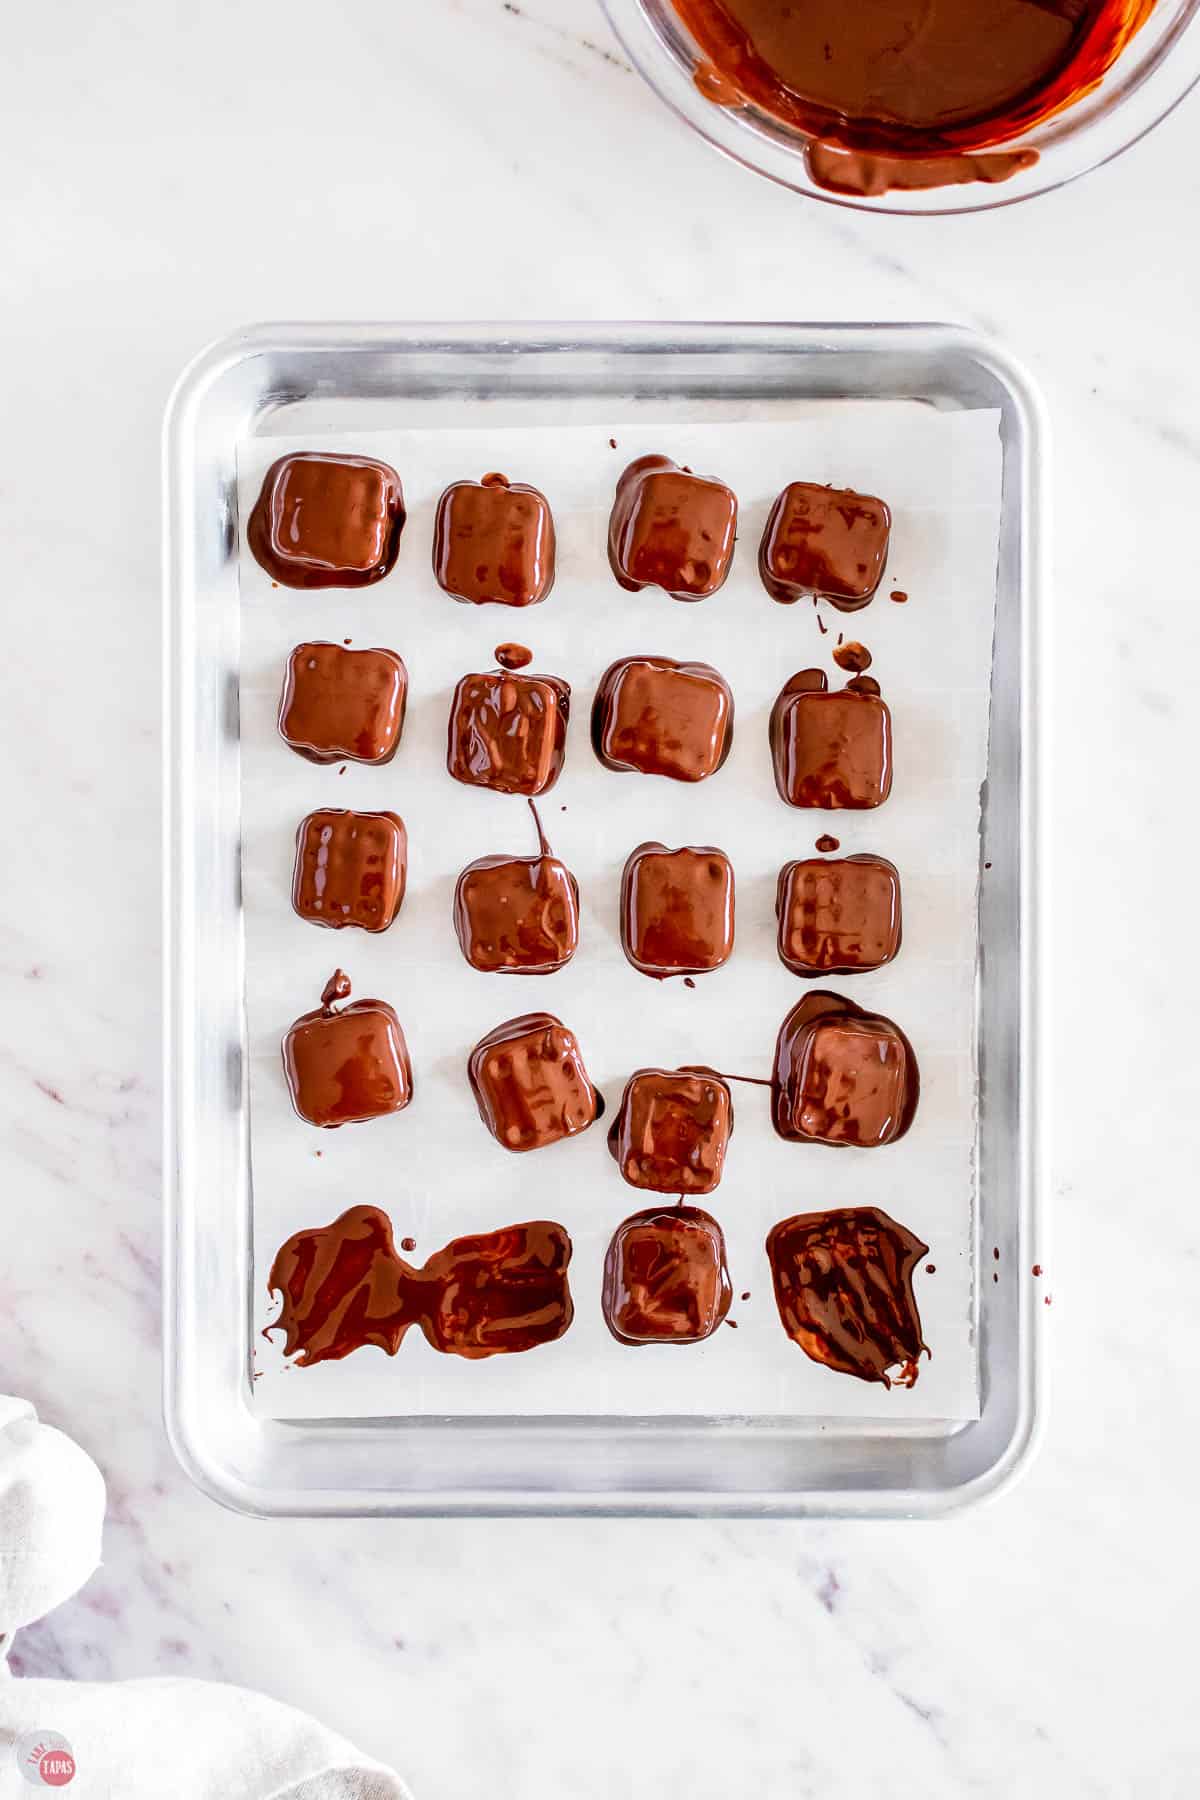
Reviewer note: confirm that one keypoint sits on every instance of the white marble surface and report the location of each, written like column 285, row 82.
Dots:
column 171, row 172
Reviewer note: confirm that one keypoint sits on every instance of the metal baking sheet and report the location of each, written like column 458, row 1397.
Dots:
column 280, row 382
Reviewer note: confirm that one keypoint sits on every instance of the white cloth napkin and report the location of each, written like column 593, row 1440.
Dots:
column 51, row 1514
column 186, row 1740
column 133, row 1740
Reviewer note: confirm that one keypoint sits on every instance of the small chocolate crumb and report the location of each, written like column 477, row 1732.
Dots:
column 931, row 1268
column 746, row 1295
column 347, row 640
column 1048, row 1299
column 408, row 1243
column 732, row 1324
column 318, row 1153
column 899, row 596
column 688, row 982
column 853, row 656
column 987, row 865
column 996, row 1252
column 513, row 656
column 342, row 770
column 825, row 843
column 1037, row 1268
column 995, row 1278
column 822, row 626
column 612, row 443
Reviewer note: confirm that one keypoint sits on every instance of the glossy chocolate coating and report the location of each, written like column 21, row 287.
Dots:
column 351, row 868
column 341, row 705
column 343, row 1286
column 842, row 1075
column 530, row 1084
column 671, row 529
column 508, row 732
column 907, row 93
column 327, row 521
column 517, row 915
column 672, row 1130
column 660, row 717
column 832, row 751
column 844, row 1288
column 826, row 541
column 665, row 1277
column 493, row 543
column 347, row 1064
column 838, row 917
column 677, row 909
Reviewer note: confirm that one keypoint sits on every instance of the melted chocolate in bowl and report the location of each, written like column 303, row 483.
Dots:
column 907, row 93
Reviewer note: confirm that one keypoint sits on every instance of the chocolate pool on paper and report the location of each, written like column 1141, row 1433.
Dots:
column 343, row 1286
column 831, row 750
column 656, row 716
column 672, row 1130
column 530, row 1083
column 341, row 705
column 828, row 542
column 666, row 1280
column 351, row 868
column 518, row 915
column 843, row 1076
column 677, row 909
column 494, row 543
column 844, row 1288
column 322, row 520
column 838, row 917
column 345, row 1065
column 671, row 529
column 508, row 732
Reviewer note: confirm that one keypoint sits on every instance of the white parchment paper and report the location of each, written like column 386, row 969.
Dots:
column 434, row 1168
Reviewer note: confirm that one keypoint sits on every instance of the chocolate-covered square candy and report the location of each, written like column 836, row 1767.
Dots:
column 660, row 717
column 343, row 705
column 843, row 1284
column 842, row 1075
column 518, row 915
column 494, row 543
column 347, row 1064
column 838, row 916
column 323, row 520
column 530, row 1084
column 832, row 750
column 666, row 1280
column 677, row 909
column 671, row 529
column 826, row 541
column 672, row 1130
column 351, row 868
column 508, row 732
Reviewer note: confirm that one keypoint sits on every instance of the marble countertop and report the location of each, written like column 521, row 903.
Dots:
column 172, row 173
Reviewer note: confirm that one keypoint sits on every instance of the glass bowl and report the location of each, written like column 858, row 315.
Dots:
column 1151, row 75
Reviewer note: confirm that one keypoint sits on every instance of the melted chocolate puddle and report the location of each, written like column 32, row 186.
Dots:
column 844, row 1289
column 344, row 1286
